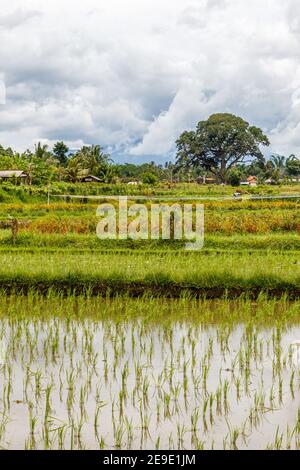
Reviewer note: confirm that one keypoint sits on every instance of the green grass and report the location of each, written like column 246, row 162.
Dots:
column 149, row 309
column 250, row 246
column 26, row 194
column 161, row 275
column 213, row 242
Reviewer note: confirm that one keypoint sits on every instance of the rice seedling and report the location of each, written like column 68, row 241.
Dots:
column 96, row 372
column 196, row 273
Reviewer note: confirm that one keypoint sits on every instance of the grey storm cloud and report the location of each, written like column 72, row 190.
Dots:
column 133, row 75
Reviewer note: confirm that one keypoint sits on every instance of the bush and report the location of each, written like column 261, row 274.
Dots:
column 234, row 178
column 149, row 178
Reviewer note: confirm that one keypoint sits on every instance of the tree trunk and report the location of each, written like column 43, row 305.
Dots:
column 222, row 174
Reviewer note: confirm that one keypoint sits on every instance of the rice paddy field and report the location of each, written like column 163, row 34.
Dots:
column 141, row 344
column 155, row 273
column 148, row 373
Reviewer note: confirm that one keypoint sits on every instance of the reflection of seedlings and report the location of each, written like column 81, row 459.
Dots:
column 102, row 373
column 295, row 353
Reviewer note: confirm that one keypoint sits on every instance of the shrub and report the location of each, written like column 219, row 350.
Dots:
column 149, row 178
column 234, row 178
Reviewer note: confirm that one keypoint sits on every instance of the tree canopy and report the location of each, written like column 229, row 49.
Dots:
column 220, row 143
column 60, row 151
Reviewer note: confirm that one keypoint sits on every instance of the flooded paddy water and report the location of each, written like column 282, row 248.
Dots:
column 79, row 373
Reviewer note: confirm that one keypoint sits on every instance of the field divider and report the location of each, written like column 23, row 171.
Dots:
column 141, row 289
column 172, row 198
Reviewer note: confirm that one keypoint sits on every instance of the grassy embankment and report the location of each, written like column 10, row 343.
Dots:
column 162, row 274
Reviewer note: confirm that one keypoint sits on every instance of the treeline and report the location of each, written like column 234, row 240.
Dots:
column 225, row 148
column 59, row 164
column 44, row 166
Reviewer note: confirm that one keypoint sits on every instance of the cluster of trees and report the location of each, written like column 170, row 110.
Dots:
column 276, row 169
column 224, row 146
column 43, row 165
column 228, row 148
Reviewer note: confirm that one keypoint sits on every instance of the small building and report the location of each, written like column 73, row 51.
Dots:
column 86, row 177
column 270, row 181
column 252, row 180
column 90, row 179
column 206, row 180
column 16, row 176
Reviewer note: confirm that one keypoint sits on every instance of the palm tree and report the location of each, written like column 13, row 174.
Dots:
column 74, row 169
column 278, row 162
column 42, row 153
column 292, row 158
column 93, row 158
column 170, row 167
column 293, row 166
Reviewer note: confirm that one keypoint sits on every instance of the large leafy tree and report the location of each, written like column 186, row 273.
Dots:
column 60, row 151
column 219, row 144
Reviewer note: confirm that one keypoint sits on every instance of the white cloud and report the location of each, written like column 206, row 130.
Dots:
column 133, row 75
column 17, row 18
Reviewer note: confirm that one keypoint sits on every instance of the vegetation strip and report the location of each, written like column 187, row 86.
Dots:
column 140, row 289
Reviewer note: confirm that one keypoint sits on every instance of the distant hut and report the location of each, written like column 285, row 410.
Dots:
column 252, row 180
column 86, row 177
column 270, row 181
column 206, row 180
column 16, row 176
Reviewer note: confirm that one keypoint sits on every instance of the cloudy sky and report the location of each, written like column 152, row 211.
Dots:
column 132, row 75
